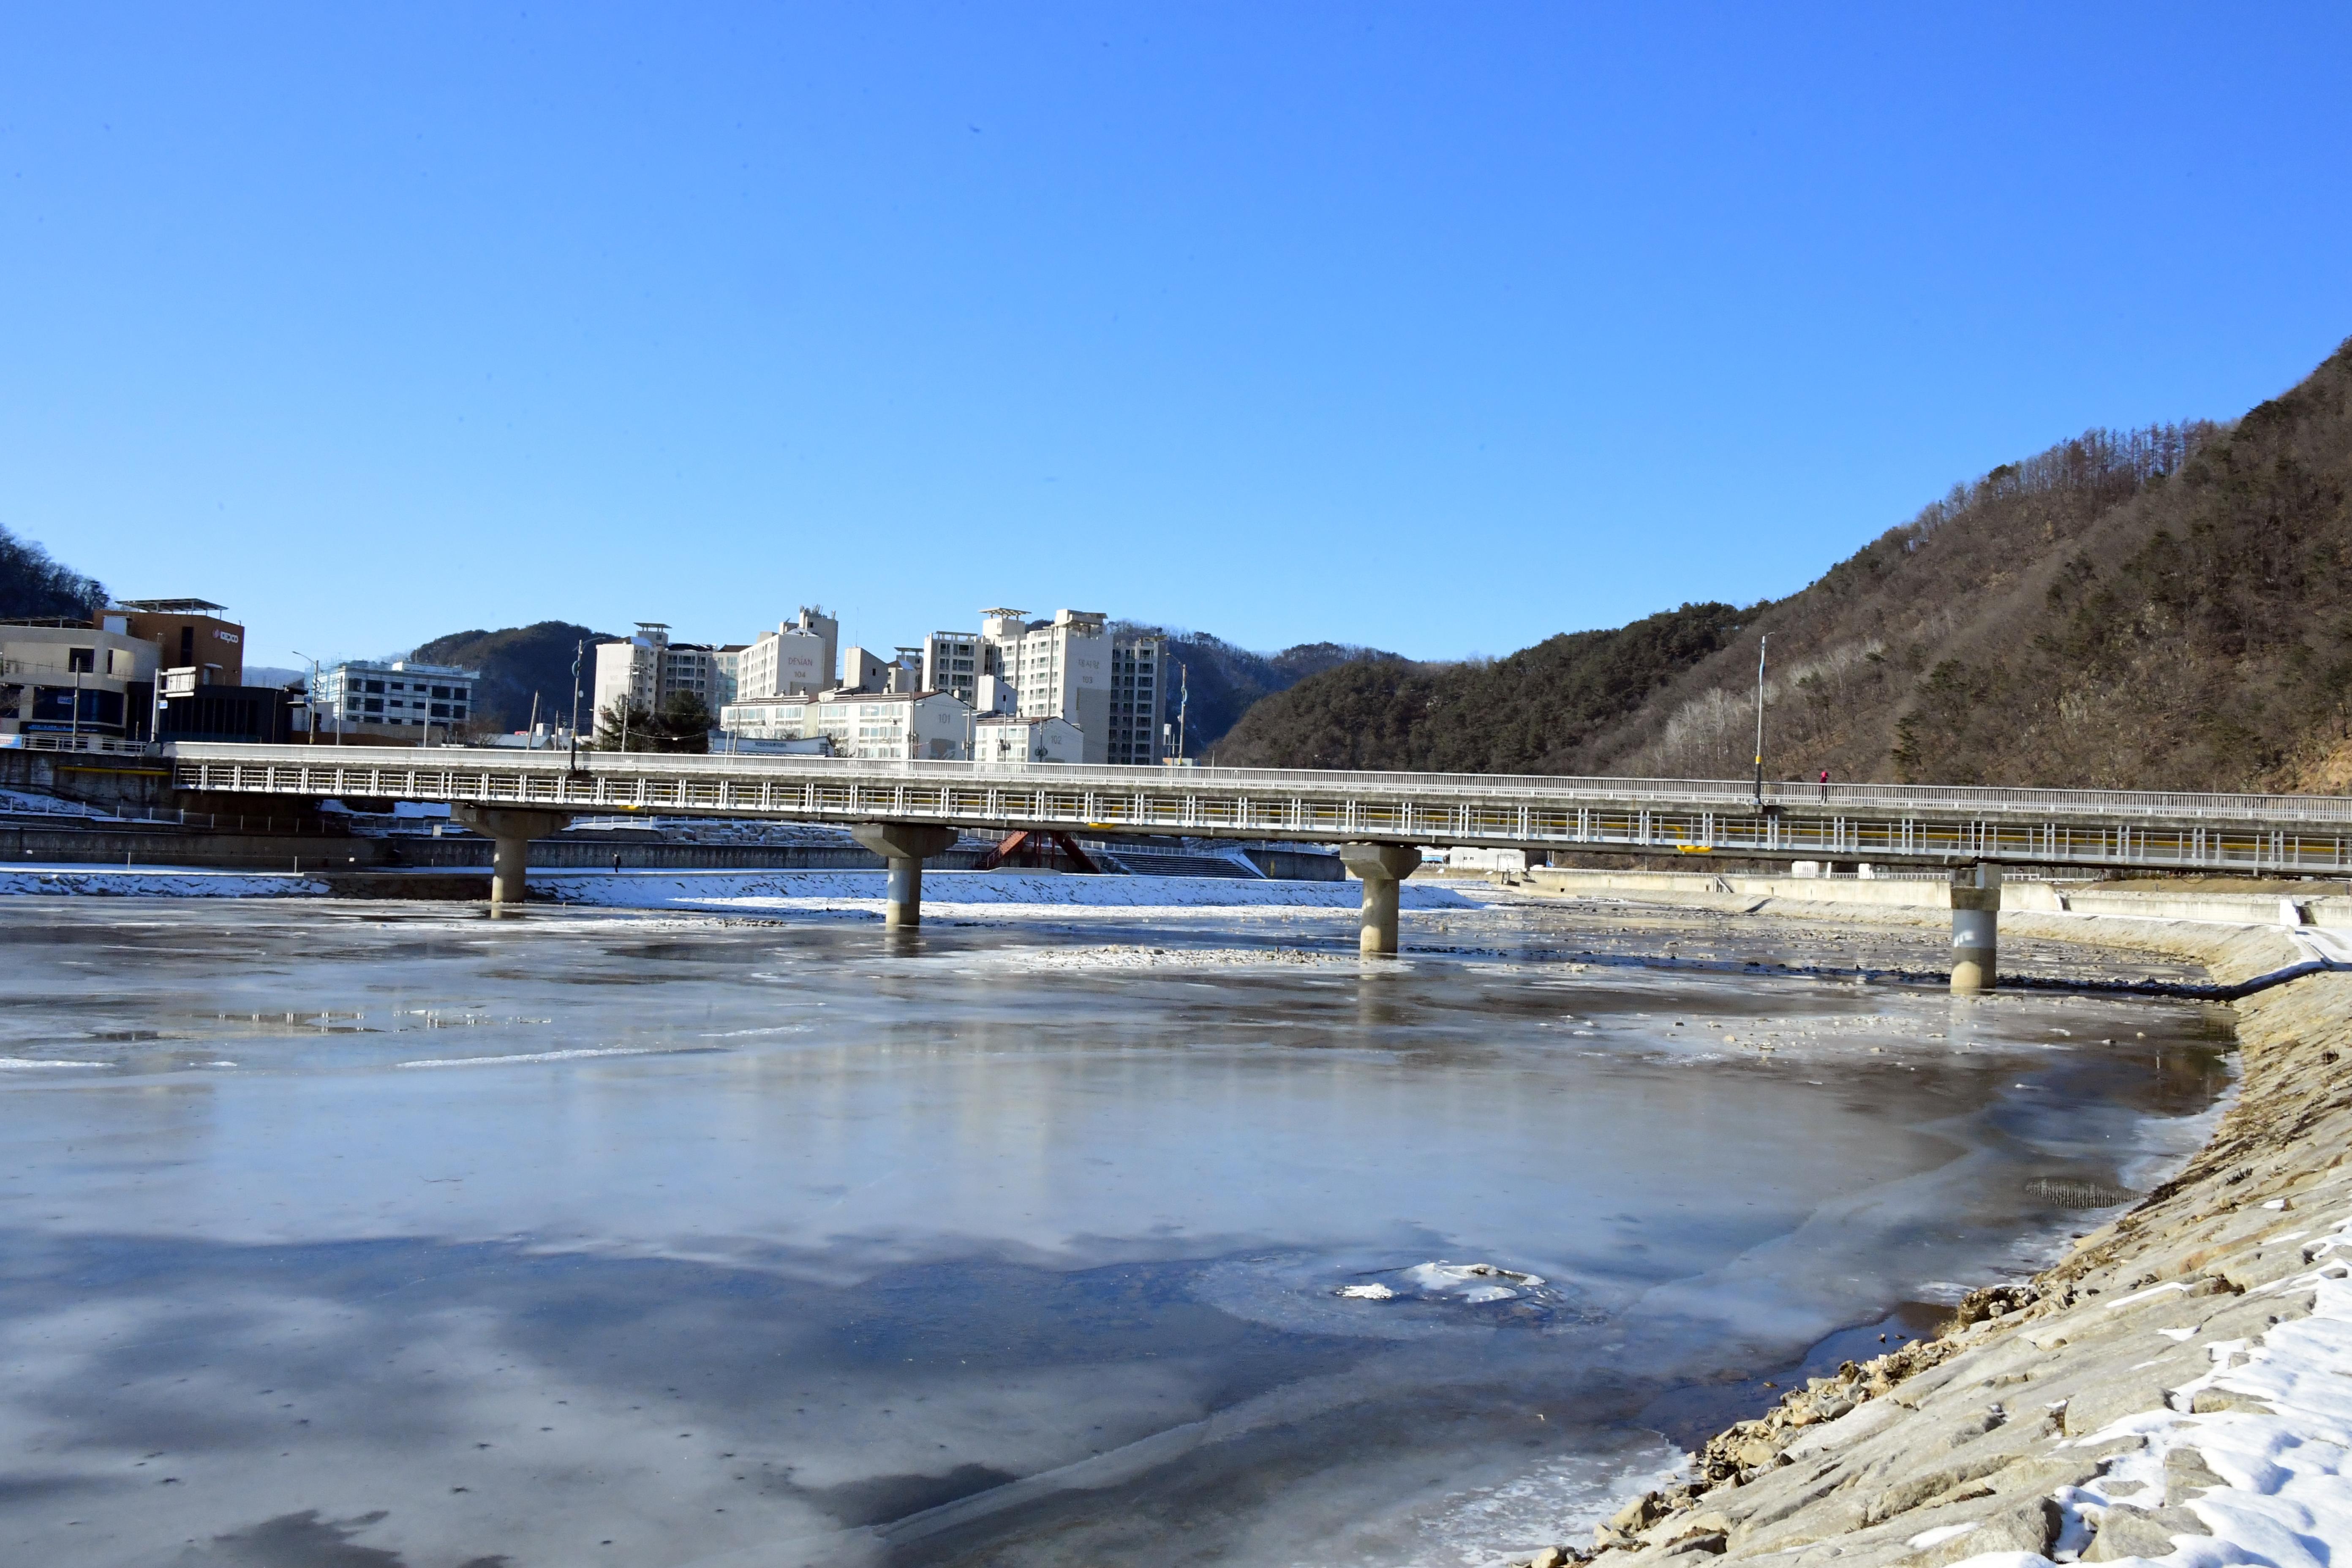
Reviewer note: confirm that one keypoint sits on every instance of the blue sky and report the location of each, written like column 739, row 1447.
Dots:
column 1439, row 328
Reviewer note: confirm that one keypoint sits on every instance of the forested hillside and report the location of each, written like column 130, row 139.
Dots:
column 518, row 662
column 32, row 585
column 1225, row 681
column 2169, row 607
column 1535, row 711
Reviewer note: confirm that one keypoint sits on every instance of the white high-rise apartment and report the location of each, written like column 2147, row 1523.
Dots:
column 796, row 660
column 648, row 669
column 1072, row 668
column 951, row 664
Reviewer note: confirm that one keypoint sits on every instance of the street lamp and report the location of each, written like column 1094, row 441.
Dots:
column 579, row 652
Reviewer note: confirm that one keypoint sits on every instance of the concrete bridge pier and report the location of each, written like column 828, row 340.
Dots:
column 510, row 830
column 1382, row 867
column 1976, row 928
column 904, row 846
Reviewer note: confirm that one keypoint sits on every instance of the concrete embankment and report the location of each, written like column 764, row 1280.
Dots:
column 2178, row 1382
column 1929, row 897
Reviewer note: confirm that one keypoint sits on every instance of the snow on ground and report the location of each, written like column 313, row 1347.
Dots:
column 48, row 805
column 946, row 892
column 2283, row 1495
column 157, row 882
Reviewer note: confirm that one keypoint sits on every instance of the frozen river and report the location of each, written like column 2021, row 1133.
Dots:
column 368, row 1235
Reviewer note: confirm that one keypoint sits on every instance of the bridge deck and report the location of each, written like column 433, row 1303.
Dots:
column 1896, row 824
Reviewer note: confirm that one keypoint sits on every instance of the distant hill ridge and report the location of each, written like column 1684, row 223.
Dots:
column 32, row 585
column 2165, row 608
column 519, row 663
column 1539, row 711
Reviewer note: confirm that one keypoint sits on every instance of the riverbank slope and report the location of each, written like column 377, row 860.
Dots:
column 2177, row 1382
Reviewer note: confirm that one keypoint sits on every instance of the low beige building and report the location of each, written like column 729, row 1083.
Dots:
column 70, row 678
column 1002, row 738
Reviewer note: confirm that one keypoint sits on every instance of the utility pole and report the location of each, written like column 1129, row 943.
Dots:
column 530, row 736
column 1762, row 643
column 1183, row 702
column 579, row 652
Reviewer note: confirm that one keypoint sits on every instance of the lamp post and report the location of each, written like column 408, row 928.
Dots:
column 579, row 652
column 1183, row 704
column 1763, row 643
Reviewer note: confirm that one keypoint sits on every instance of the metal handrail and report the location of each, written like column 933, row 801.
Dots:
column 105, row 745
column 1728, row 794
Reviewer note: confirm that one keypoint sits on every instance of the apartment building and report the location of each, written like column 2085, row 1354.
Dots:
column 647, row 669
column 951, row 664
column 796, row 660
column 875, row 724
column 394, row 700
column 1070, row 667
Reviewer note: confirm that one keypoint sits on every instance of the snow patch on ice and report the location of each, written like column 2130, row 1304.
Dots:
column 945, row 892
column 580, row 1054
column 1054, row 958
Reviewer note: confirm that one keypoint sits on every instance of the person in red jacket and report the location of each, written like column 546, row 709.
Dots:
column 1825, row 784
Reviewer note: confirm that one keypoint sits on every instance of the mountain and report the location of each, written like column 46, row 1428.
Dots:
column 2162, row 609
column 1223, row 681
column 518, row 662
column 1535, row 711
column 33, row 585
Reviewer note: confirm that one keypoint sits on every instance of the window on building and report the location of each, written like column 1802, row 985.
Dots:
column 83, row 659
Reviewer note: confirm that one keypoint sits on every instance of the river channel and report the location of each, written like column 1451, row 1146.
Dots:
column 384, row 1237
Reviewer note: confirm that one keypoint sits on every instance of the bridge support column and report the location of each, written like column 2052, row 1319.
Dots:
column 510, row 830
column 1382, row 867
column 1976, row 928
column 904, row 846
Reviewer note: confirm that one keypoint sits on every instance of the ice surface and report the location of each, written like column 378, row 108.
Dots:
column 869, row 1238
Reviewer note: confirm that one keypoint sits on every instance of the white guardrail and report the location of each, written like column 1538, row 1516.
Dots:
column 1915, row 824
column 101, row 745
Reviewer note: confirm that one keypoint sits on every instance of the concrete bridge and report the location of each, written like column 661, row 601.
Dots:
column 908, row 811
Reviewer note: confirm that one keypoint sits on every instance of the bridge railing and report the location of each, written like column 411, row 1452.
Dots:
column 1727, row 795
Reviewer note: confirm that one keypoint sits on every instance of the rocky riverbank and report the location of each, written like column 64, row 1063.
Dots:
column 2182, row 1382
